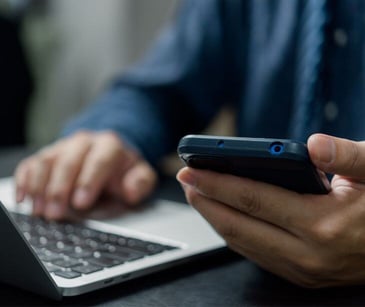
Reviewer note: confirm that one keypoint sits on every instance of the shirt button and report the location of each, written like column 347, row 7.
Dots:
column 340, row 37
column 330, row 111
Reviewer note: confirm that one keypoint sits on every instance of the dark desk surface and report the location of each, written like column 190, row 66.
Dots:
column 224, row 279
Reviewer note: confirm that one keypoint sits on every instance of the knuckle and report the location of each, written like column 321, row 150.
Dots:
column 27, row 167
column 58, row 195
column 26, row 163
column 114, row 150
column 34, row 191
column 67, row 166
column 84, row 134
column 111, row 138
column 249, row 202
column 87, row 179
column 34, row 188
column 79, row 138
column 311, row 268
column 118, row 152
column 101, row 163
column 21, row 169
column 45, row 159
column 354, row 156
column 85, row 184
column 228, row 232
column 327, row 232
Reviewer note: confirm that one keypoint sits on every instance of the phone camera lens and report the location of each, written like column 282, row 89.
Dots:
column 220, row 144
column 276, row 148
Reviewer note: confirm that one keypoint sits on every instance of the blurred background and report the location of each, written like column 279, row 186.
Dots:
column 57, row 55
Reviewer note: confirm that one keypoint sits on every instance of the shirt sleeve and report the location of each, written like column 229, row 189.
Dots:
column 176, row 89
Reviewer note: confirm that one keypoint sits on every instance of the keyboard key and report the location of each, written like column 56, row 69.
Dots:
column 104, row 260
column 48, row 256
column 68, row 274
column 81, row 254
column 87, row 268
column 60, row 247
column 51, row 267
column 66, row 263
column 127, row 254
column 87, row 232
column 79, row 249
column 146, row 247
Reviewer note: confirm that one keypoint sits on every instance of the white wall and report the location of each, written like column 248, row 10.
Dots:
column 76, row 46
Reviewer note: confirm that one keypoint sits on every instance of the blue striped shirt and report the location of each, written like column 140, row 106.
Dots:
column 244, row 53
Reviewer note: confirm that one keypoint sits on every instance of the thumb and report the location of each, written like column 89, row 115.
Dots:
column 337, row 156
column 138, row 182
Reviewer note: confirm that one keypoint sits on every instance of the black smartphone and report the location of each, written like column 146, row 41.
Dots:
column 281, row 162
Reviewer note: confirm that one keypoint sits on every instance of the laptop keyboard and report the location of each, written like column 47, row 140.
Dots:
column 71, row 250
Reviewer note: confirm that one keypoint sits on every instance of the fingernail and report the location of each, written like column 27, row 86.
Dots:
column 186, row 177
column 81, row 198
column 326, row 150
column 53, row 210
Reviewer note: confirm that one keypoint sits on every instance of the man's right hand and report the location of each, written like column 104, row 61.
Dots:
column 76, row 170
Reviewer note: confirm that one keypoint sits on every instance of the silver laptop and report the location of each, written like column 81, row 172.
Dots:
column 67, row 259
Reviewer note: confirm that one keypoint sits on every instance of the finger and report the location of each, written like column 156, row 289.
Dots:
column 99, row 166
column 21, row 180
column 31, row 168
column 25, row 182
column 253, row 236
column 64, row 174
column 39, row 174
column 39, row 205
column 338, row 156
column 264, row 201
column 138, row 182
column 271, row 247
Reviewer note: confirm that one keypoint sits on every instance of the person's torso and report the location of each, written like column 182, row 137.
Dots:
column 303, row 67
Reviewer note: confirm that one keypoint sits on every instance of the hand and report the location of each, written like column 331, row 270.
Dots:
column 76, row 170
column 311, row 240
